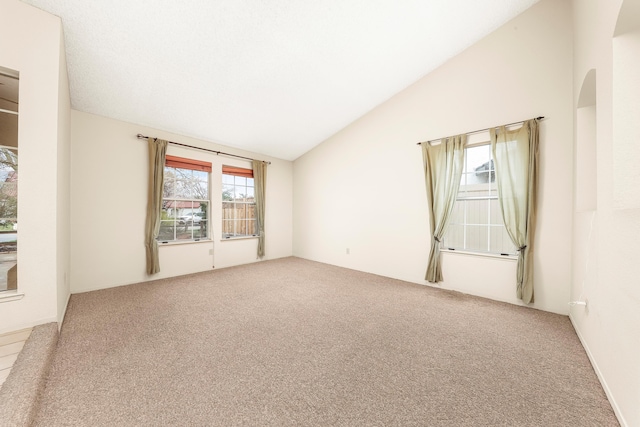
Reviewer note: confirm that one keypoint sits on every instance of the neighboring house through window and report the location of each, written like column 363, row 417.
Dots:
column 186, row 200
column 476, row 221
column 238, row 203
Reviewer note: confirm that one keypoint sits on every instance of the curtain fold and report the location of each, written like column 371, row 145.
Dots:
column 515, row 155
column 157, row 155
column 260, row 184
column 443, row 165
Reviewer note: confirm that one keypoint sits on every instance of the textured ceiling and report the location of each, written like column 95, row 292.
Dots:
column 274, row 77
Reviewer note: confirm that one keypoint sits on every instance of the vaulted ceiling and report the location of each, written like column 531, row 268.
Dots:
column 275, row 77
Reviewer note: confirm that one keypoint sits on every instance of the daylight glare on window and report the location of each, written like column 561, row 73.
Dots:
column 185, row 205
column 238, row 206
column 476, row 221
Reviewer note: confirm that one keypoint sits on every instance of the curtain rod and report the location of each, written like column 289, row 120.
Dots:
column 141, row 136
column 480, row 130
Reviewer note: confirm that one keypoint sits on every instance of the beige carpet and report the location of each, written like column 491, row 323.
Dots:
column 21, row 392
column 292, row 342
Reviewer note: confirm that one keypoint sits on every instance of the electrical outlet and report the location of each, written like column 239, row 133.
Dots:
column 210, row 251
column 348, row 251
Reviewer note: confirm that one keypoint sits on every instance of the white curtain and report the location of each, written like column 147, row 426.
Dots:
column 515, row 154
column 443, row 165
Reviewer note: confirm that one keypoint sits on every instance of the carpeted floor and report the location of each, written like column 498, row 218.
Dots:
column 292, row 342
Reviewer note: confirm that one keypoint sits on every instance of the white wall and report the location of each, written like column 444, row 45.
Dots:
column 606, row 260
column 363, row 188
column 108, row 204
column 63, row 189
column 31, row 44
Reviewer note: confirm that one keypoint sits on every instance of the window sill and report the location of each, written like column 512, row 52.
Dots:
column 183, row 242
column 238, row 238
column 8, row 296
column 480, row 254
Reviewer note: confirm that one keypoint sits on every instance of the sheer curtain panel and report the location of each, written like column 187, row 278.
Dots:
column 443, row 165
column 515, row 153
column 260, row 183
column 157, row 155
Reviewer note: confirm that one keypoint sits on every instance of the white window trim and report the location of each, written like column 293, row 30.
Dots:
column 8, row 296
column 226, row 239
column 182, row 242
column 508, row 257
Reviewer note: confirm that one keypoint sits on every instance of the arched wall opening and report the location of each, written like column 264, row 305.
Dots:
column 586, row 152
column 626, row 107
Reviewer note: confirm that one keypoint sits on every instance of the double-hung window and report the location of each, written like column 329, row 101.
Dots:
column 238, row 203
column 476, row 221
column 185, row 200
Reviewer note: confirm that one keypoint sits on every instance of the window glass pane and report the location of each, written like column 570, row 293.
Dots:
column 240, row 212
column 227, row 211
column 477, row 238
column 227, row 179
column 227, row 192
column 250, row 194
column 454, row 237
column 463, row 181
column 227, row 227
column 183, row 189
column 184, row 229
column 478, row 166
column 167, row 230
column 238, row 209
column 170, row 209
column 201, row 210
column 496, row 213
column 199, row 225
column 500, row 241
column 169, row 184
column 9, row 198
column 251, row 211
column 477, row 211
column 199, row 230
column 187, row 184
column 240, row 193
column 201, row 190
column 476, row 220
column 476, row 157
column 252, row 227
column 6, row 171
column 247, row 227
column 185, row 212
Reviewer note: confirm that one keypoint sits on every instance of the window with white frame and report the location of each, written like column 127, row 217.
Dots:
column 476, row 222
column 238, row 203
column 185, row 200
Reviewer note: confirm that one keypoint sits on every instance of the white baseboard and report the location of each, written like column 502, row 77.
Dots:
column 63, row 313
column 29, row 324
column 603, row 382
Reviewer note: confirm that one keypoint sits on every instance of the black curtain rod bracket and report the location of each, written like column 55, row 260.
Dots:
column 480, row 130
column 141, row 136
